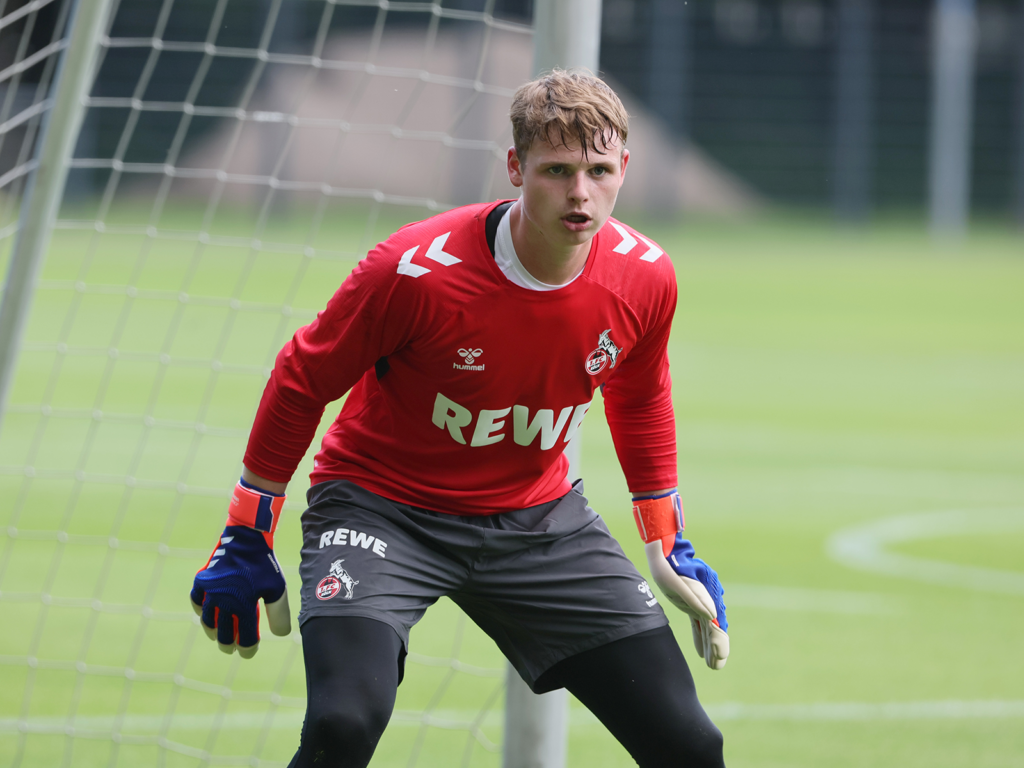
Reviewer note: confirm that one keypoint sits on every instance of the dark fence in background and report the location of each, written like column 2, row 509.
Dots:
column 812, row 102
column 762, row 78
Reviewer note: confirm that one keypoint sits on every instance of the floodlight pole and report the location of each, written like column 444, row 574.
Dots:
column 1019, row 187
column 669, row 70
column 46, row 183
column 851, row 191
column 952, row 113
column 566, row 33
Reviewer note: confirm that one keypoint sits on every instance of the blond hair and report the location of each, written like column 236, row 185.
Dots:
column 567, row 107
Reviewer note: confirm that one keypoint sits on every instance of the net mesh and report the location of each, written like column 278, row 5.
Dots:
column 235, row 161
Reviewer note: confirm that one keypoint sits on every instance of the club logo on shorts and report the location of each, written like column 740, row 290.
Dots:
column 332, row 584
column 327, row 588
column 606, row 352
column 645, row 588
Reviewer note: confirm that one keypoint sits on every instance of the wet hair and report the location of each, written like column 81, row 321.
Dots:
column 567, row 107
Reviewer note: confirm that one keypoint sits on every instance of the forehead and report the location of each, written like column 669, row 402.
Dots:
column 542, row 150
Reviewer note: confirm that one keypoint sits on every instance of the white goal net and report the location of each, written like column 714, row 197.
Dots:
column 235, row 160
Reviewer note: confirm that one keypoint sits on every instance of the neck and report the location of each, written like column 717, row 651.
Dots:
column 546, row 261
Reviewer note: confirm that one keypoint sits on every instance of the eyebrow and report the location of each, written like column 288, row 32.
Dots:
column 555, row 163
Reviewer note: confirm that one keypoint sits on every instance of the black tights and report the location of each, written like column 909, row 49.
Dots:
column 639, row 687
column 642, row 690
column 352, row 676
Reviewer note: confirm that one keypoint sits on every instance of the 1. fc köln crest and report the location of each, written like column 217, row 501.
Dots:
column 332, row 585
column 605, row 353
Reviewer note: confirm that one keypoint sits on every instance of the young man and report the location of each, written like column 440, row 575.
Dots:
column 471, row 345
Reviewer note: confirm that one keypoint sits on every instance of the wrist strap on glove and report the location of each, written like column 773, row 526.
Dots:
column 659, row 516
column 255, row 508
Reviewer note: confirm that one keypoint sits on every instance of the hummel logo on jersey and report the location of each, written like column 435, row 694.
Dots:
column 606, row 351
column 469, row 355
column 332, row 584
column 645, row 588
column 353, row 539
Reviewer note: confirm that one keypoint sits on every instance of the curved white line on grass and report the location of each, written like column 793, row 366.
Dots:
column 102, row 726
column 863, row 548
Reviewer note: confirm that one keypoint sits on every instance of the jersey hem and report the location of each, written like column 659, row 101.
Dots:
column 388, row 493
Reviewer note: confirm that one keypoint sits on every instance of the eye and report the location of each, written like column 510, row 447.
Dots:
column 599, row 170
column 556, row 170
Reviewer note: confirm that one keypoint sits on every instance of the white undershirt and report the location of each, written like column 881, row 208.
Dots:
column 508, row 262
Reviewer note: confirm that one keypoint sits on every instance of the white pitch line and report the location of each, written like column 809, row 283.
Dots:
column 861, row 711
column 863, row 548
column 954, row 709
column 282, row 719
column 810, row 600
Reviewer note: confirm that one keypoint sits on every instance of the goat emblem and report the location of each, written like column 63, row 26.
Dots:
column 342, row 575
column 605, row 343
column 332, row 584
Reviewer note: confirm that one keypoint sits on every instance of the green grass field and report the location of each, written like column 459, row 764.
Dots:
column 850, row 412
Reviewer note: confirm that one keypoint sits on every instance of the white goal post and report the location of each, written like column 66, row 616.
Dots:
column 62, row 458
column 46, row 174
column 567, row 33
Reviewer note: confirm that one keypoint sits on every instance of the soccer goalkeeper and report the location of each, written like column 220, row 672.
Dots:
column 470, row 346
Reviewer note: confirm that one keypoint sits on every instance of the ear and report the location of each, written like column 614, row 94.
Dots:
column 514, row 167
column 625, row 161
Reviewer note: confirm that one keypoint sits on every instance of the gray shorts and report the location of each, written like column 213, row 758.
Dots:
column 545, row 582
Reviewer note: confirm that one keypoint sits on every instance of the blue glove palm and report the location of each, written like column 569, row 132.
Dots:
column 226, row 592
column 693, row 587
column 685, row 564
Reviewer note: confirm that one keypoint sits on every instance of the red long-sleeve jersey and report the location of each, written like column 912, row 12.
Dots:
column 466, row 388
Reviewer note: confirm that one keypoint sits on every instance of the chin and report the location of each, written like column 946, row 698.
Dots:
column 578, row 238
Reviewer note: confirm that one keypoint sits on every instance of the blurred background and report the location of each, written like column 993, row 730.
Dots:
column 840, row 187
column 825, row 105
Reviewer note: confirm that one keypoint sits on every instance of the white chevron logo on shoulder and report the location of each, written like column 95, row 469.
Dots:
column 653, row 251
column 406, row 267
column 435, row 252
column 629, row 243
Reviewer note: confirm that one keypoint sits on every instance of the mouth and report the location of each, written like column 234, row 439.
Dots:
column 576, row 221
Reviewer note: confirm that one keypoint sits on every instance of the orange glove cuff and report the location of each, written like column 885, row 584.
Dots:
column 255, row 510
column 659, row 517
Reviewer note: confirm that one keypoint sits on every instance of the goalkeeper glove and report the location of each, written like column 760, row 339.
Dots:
column 241, row 570
column 687, row 581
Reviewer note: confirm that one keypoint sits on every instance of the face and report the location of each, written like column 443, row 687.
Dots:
column 566, row 196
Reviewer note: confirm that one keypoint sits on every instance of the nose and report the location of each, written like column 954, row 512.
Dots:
column 578, row 190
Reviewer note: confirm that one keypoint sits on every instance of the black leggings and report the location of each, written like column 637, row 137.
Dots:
column 639, row 687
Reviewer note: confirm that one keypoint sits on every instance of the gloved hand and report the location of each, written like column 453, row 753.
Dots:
column 687, row 581
column 241, row 570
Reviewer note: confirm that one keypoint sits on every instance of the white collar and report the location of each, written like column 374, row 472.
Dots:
column 508, row 261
